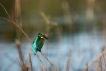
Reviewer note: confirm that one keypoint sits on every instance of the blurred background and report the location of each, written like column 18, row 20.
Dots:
column 76, row 31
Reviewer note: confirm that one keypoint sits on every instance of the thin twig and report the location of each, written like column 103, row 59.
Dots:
column 41, row 67
column 26, row 67
column 86, row 65
column 30, row 62
column 45, row 18
column 6, row 11
column 68, row 64
column 66, row 12
column 18, row 27
column 100, row 64
column 23, row 65
column 47, row 22
column 96, row 59
column 49, row 61
column 19, row 63
column 41, row 62
column 17, row 17
column 104, row 60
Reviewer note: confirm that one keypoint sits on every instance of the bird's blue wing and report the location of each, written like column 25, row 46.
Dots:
column 35, row 40
column 34, row 47
column 37, row 44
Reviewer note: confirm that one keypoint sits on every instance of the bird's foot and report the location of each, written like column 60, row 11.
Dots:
column 39, row 50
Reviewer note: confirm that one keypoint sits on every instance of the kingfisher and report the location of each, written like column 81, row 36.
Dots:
column 38, row 43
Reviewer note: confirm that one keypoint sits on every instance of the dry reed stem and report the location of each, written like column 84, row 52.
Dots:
column 47, row 22
column 68, row 64
column 17, row 18
column 90, row 10
column 30, row 62
column 26, row 67
column 41, row 62
column 23, row 65
column 96, row 66
column 86, row 65
column 45, row 18
column 19, row 64
column 96, row 59
column 56, row 26
column 66, row 12
column 41, row 68
column 49, row 61
column 100, row 64
column 6, row 11
column 104, row 60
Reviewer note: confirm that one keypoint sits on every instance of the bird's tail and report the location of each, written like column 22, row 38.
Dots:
column 35, row 52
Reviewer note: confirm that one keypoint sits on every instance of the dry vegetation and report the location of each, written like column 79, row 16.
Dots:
column 99, row 64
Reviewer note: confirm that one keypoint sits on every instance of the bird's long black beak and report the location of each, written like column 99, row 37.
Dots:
column 45, row 37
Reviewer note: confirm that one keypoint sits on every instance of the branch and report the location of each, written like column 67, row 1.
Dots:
column 49, row 61
column 97, row 58
column 41, row 62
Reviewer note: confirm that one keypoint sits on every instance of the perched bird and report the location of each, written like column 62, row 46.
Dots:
column 38, row 43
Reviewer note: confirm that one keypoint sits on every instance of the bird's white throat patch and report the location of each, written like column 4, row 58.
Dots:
column 42, row 37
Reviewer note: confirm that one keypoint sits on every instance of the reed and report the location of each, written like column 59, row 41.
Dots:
column 30, row 62
column 23, row 66
column 96, row 59
column 68, row 64
column 104, row 60
column 86, row 65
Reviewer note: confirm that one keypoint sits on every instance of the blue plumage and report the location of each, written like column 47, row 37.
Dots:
column 38, row 43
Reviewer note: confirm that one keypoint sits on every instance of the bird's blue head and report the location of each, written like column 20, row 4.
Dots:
column 42, row 36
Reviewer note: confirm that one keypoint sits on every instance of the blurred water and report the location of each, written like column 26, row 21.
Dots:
column 80, row 47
